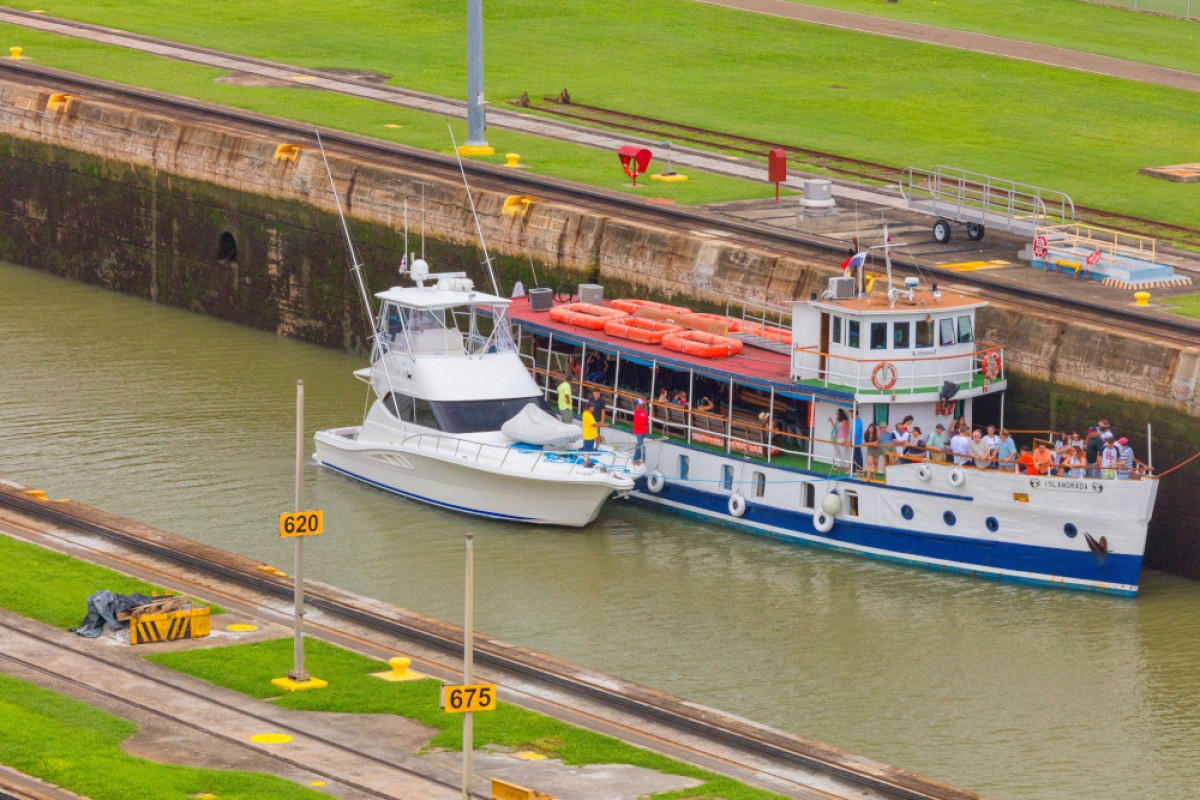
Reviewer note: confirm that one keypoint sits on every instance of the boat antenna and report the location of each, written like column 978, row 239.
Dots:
column 355, row 264
column 487, row 259
column 404, row 260
column 422, row 221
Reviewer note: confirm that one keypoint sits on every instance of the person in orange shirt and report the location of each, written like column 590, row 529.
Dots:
column 1025, row 462
column 1043, row 459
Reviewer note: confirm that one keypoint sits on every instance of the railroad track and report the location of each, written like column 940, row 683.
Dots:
column 785, row 750
column 1165, row 328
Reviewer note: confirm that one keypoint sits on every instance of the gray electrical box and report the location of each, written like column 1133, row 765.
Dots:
column 541, row 299
column 841, row 288
column 591, row 293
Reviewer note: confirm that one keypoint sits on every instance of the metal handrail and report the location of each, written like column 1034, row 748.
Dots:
column 1080, row 236
column 859, row 378
column 610, row 459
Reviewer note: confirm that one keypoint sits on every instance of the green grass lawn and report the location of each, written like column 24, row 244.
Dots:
column 1187, row 305
column 53, row 588
column 860, row 96
column 75, row 746
column 1073, row 24
column 249, row 668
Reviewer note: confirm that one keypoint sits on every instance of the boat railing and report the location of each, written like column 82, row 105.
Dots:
column 923, row 455
column 1083, row 238
column 507, row 457
column 912, row 375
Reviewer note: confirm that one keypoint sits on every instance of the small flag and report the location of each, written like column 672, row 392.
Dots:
column 854, row 262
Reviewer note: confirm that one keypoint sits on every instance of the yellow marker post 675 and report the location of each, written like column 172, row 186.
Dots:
column 469, row 697
column 301, row 523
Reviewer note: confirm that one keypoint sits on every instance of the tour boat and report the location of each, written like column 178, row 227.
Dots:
column 458, row 422
column 763, row 458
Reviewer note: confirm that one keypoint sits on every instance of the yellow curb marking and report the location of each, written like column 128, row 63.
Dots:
column 271, row 738
column 241, row 627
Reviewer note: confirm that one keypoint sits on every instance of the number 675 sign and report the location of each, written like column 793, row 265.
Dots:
column 469, row 697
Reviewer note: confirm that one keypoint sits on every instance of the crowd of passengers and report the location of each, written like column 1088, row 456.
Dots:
column 1099, row 454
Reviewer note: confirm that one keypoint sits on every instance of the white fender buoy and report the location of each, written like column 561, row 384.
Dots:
column 924, row 472
column 737, row 505
column 823, row 522
column 654, row 482
column 957, row 477
column 831, row 504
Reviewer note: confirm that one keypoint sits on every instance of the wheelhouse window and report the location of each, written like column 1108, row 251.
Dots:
column 727, row 478
column 879, row 335
column 852, row 336
column 836, row 336
column 900, row 334
column 965, row 333
column 475, row 416
column 946, row 331
column 924, row 333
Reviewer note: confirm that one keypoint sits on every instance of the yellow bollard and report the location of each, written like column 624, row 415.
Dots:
column 15, row 53
column 512, row 160
column 36, row 494
column 400, row 671
column 1142, row 298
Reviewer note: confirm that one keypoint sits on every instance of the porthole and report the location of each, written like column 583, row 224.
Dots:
column 1070, row 530
column 993, row 524
column 948, row 517
column 906, row 511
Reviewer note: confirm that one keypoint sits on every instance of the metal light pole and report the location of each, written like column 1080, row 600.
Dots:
column 298, row 672
column 476, row 138
column 469, row 668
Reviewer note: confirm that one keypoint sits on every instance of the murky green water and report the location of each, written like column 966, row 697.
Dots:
column 187, row 424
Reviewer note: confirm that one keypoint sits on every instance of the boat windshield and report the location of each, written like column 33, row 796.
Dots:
column 468, row 330
column 477, row 416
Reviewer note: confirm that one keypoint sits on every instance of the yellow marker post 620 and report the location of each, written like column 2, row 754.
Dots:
column 469, row 697
column 301, row 523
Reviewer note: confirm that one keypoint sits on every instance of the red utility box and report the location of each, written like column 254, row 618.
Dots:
column 777, row 168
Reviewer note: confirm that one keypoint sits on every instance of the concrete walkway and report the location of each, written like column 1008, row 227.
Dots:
column 975, row 42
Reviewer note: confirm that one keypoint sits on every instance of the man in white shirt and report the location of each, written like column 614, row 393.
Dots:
column 960, row 447
column 992, row 440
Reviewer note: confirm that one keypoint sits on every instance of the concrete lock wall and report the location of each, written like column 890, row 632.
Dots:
column 153, row 206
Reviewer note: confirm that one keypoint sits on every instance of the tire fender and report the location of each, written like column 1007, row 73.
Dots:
column 957, row 476
column 823, row 522
column 655, row 482
column 737, row 505
column 925, row 472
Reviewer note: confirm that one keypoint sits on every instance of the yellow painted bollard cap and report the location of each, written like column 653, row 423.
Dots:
column 15, row 53
column 1141, row 298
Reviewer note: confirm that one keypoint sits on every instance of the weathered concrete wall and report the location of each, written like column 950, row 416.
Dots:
column 141, row 204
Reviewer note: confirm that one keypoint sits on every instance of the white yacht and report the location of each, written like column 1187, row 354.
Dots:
column 458, row 422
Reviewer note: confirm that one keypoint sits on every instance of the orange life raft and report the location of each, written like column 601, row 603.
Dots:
column 711, row 323
column 704, row 345
column 647, row 331
column 585, row 315
column 781, row 335
column 633, row 306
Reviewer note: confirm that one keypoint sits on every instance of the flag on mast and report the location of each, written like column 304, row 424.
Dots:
column 854, row 262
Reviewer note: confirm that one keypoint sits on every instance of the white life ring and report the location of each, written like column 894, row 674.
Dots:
column 823, row 522
column 957, row 477
column 924, row 472
column 737, row 505
column 654, row 482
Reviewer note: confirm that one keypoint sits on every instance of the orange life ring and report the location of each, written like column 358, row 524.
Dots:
column 646, row 331
column 711, row 323
column 704, row 345
column 585, row 315
column 884, row 375
column 945, row 408
column 991, row 365
column 632, row 306
column 772, row 333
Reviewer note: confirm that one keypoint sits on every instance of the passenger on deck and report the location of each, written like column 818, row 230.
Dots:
column 1043, row 459
column 1105, row 430
column 641, row 426
column 886, row 438
column 591, row 435
column 1006, row 450
column 597, row 366
column 936, row 443
column 903, row 437
column 856, row 440
column 1128, row 462
column 960, row 447
column 979, row 450
column 1109, row 456
column 1092, row 452
column 992, row 440
column 565, row 401
column 663, row 397
column 1074, row 462
column 1025, row 463
column 916, row 443
column 871, row 445
column 1076, row 441
column 705, row 404
column 598, row 406
column 841, row 438
column 680, row 398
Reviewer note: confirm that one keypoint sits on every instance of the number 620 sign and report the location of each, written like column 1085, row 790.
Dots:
column 469, row 697
column 301, row 523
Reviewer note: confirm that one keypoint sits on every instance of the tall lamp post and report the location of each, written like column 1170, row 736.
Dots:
column 476, row 139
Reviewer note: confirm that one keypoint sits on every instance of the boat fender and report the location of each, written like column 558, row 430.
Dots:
column 737, row 505
column 823, row 522
column 924, row 472
column 654, row 482
column 957, row 477
column 831, row 504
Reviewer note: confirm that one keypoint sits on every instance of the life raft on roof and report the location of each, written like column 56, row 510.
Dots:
column 585, row 315
column 704, row 345
column 633, row 306
column 711, row 323
column 781, row 335
column 647, row 331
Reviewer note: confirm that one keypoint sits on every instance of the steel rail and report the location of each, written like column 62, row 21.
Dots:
column 208, row 699
column 497, row 178
column 679, row 715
